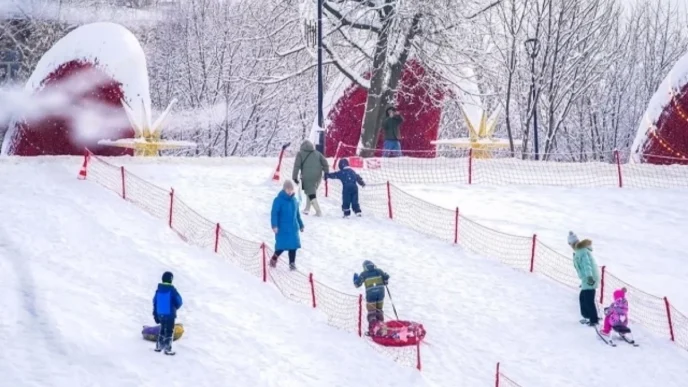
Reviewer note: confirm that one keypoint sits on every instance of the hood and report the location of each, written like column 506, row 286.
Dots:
column 284, row 195
column 307, row 146
column 584, row 244
column 167, row 277
column 343, row 163
column 368, row 265
column 619, row 293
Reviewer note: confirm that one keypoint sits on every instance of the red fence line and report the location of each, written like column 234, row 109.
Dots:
column 343, row 311
column 525, row 253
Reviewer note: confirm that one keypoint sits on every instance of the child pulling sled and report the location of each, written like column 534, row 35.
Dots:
column 616, row 317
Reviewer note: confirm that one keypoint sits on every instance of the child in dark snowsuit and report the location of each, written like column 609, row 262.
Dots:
column 350, row 182
column 165, row 304
column 375, row 281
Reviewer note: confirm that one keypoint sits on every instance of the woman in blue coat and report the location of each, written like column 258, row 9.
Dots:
column 286, row 224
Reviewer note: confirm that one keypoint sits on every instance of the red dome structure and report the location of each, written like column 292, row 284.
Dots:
column 416, row 102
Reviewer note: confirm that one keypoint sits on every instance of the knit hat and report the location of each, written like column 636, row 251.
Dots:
column 573, row 238
column 167, row 277
column 288, row 185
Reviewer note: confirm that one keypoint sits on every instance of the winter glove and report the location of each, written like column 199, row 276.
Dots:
column 296, row 181
column 355, row 278
column 591, row 281
column 157, row 320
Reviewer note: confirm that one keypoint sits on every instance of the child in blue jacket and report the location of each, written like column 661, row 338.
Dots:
column 350, row 182
column 165, row 304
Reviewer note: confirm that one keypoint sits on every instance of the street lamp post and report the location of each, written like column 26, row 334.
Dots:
column 321, row 116
column 533, row 48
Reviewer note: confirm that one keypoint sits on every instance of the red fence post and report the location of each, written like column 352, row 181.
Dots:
column 265, row 269
column 336, row 156
column 418, row 364
column 124, row 189
column 389, row 200
column 532, row 253
column 360, row 315
column 456, row 226
column 470, row 166
column 668, row 311
column 618, row 167
column 310, row 279
column 497, row 376
column 171, row 206
column 217, row 236
column 604, row 270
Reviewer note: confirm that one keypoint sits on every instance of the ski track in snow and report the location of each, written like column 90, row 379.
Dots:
column 476, row 310
column 78, row 269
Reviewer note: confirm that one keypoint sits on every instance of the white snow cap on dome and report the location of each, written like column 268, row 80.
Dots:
column 112, row 49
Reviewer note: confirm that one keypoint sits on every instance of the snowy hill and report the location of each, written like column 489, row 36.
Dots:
column 476, row 311
column 78, row 268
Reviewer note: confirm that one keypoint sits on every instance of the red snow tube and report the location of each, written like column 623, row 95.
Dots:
column 397, row 333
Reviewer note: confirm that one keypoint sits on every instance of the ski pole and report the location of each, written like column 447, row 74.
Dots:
column 392, row 302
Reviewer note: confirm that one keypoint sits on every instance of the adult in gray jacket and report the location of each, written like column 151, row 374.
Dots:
column 312, row 165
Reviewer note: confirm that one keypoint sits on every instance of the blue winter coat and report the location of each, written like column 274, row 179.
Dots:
column 286, row 218
column 348, row 176
column 374, row 280
column 166, row 301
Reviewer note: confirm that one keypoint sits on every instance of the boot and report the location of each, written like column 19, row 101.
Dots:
column 308, row 207
column 273, row 261
column 316, row 205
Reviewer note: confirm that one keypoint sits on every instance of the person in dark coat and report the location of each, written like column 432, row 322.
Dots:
column 286, row 224
column 166, row 302
column 391, row 125
column 350, row 182
column 311, row 164
column 375, row 281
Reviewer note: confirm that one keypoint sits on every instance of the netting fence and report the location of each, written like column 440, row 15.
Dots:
column 464, row 166
column 526, row 253
column 343, row 311
column 502, row 380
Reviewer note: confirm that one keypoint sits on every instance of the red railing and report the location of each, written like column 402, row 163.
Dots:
column 462, row 166
column 343, row 311
column 522, row 252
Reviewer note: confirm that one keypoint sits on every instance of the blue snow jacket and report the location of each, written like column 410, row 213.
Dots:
column 286, row 218
column 374, row 280
column 166, row 301
column 348, row 176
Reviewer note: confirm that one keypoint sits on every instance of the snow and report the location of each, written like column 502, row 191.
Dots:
column 114, row 50
column 476, row 310
column 638, row 234
column 674, row 81
column 78, row 268
column 52, row 10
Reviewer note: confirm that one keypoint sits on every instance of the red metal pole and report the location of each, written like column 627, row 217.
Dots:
column 497, row 376
column 456, row 226
column 389, row 201
column 532, row 253
column 217, row 236
column 618, row 167
column 310, row 279
column 124, row 189
column 668, row 311
column 336, row 156
column 604, row 270
column 360, row 315
column 171, row 205
column 418, row 364
column 265, row 269
column 470, row 166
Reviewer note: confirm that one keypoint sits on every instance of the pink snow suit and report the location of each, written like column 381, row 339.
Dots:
column 617, row 313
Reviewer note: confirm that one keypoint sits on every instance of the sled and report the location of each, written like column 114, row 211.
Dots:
column 151, row 333
column 397, row 333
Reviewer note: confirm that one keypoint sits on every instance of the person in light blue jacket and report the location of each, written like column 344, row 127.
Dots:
column 589, row 274
column 286, row 224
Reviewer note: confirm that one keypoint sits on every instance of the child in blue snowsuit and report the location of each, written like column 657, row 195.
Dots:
column 375, row 281
column 165, row 304
column 350, row 182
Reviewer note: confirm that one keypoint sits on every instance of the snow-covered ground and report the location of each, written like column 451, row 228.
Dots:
column 638, row 233
column 78, row 268
column 476, row 311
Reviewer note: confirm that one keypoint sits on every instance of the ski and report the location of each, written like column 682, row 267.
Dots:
column 609, row 341
column 631, row 342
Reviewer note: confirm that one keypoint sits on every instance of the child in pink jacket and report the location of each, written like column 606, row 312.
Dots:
column 616, row 315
